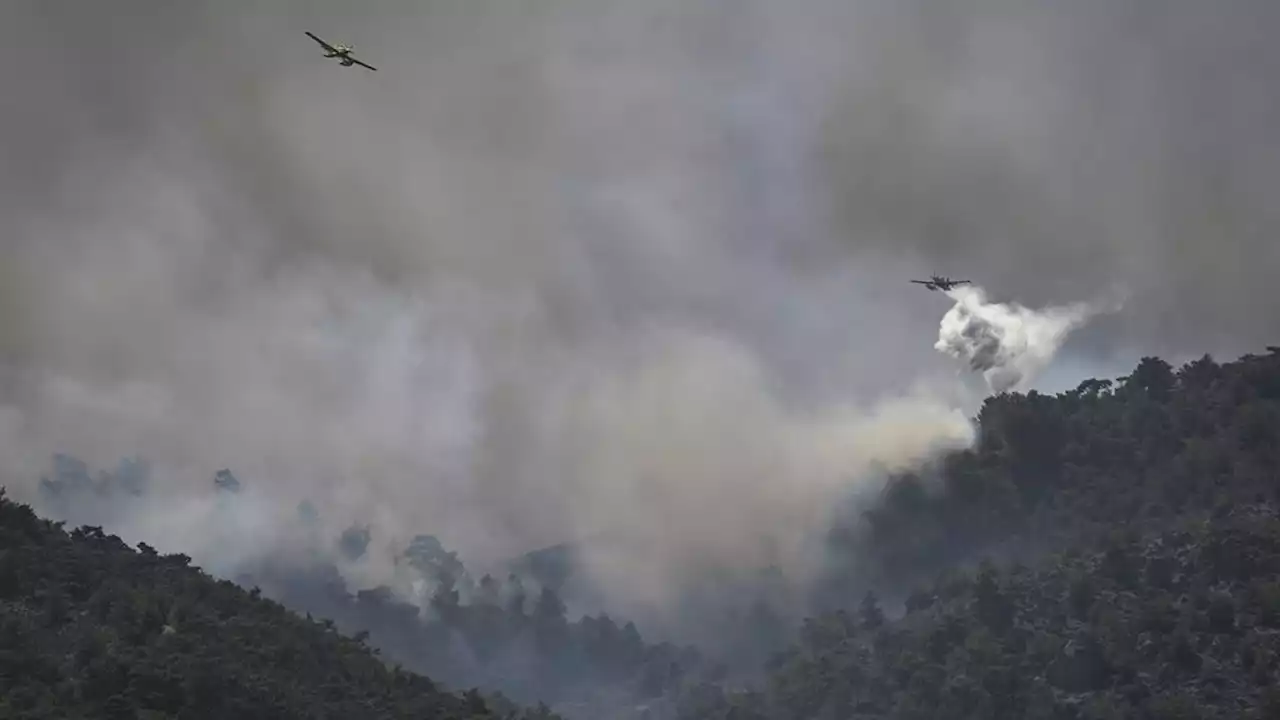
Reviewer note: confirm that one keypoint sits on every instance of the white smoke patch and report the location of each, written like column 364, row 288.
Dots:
column 1008, row 343
column 699, row 468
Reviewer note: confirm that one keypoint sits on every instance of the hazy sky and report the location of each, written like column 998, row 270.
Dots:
column 564, row 265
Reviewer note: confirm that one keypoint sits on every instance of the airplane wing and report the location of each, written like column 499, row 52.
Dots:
column 362, row 64
column 323, row 44
column 922, row 282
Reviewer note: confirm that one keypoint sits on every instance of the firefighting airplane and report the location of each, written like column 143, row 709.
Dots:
column 339, row 51
column 936, row 282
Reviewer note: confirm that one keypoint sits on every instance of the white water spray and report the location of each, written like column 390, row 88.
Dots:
column 1008, row 343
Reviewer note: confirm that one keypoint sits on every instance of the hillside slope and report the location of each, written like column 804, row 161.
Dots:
column 512, row 635
column 1146, row 512
column 90, row 628
column 1049, row 472
column 1184, row 624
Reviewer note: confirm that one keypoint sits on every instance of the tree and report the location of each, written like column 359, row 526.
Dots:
column 354, row 542
column 1153, row 377
column 870, row 612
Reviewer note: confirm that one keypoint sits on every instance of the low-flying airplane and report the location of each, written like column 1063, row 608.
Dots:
column 339, row 51
column 938, row 282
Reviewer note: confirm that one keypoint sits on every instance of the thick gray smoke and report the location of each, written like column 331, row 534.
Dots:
column 535, row 279
column 568, row 266
column 1006, row 342
column 1054, row 151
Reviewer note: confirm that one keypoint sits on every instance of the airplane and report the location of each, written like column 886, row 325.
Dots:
column 339, row 51
column 937, row 282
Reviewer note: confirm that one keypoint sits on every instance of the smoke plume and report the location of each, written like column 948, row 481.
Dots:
column 1006, row 342
column 591, row 265
column 540, row 276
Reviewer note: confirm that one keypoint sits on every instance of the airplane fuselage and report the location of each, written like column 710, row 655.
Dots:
column 342, row 52
column 940, row 283
column 345, row 58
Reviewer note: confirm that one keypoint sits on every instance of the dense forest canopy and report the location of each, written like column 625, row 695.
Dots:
column 1110, row 551
column 90, row 628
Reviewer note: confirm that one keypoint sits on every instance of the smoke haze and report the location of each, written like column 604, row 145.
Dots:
column 525, row 284
column 592, row 265
column 1054, row 152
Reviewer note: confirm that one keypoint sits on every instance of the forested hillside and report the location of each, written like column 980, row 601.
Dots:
column 1108, row 552
column 1048, row 472
column 1145, row 511
column 90, row 628
column 510, row 635
column 506, row 638
column 1180, row 624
